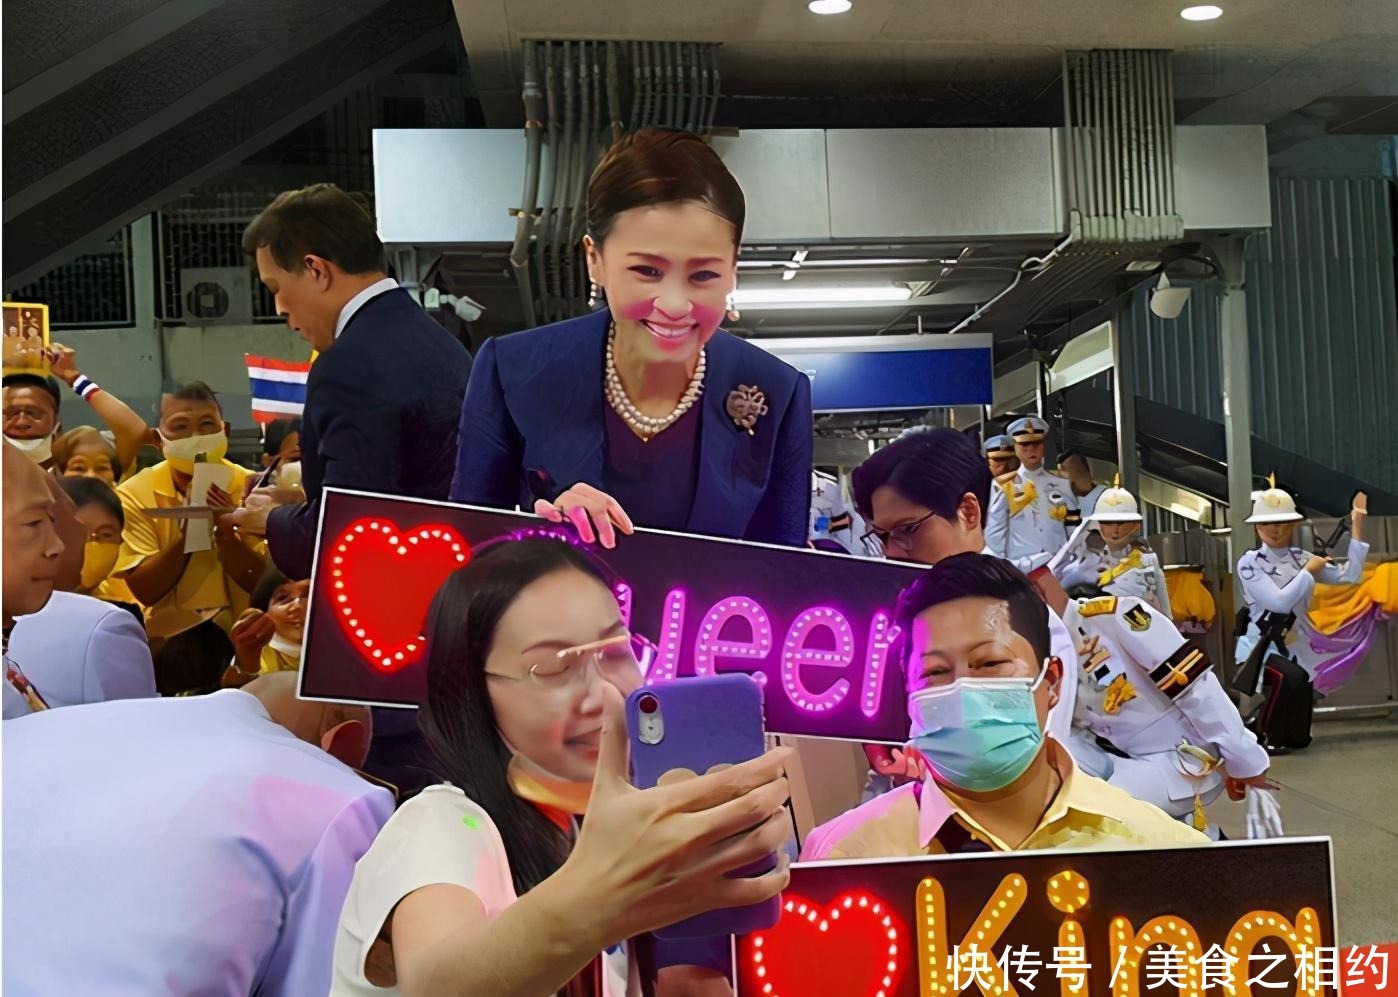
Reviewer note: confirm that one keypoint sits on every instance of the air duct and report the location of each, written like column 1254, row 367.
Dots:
column 575, row 116
column 1119, row 148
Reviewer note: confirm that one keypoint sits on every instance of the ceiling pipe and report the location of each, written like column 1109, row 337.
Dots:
column 524, row 217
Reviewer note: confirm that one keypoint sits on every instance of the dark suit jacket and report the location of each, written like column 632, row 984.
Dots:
column 532, row 427
column 381, row 410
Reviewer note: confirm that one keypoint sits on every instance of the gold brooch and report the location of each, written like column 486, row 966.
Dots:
column 745, row 406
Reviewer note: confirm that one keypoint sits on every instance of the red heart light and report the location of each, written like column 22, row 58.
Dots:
column 855, row 948
column 381, row 581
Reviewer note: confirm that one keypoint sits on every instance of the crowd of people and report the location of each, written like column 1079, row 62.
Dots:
column 222, row 836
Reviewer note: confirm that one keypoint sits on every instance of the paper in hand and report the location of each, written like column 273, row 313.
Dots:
column 199, row 533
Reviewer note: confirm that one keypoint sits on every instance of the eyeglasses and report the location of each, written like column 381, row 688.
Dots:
column 618, row 659
column 900, row 535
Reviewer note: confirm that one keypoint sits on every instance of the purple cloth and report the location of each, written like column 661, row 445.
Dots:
column 1347, row 647
column 654, row 482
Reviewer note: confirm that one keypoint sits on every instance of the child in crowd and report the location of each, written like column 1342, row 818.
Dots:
column 267, row 637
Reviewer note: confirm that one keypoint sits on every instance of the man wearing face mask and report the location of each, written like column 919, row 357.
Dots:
column 980, row 684
column 926, row 497
column 31, row 415
column 191, row 595
column 79, row 649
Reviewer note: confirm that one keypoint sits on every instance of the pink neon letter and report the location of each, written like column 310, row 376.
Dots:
column 623, row 601
column 667, row 658
column 709, row 646
column 795, row 656
column 882, row 633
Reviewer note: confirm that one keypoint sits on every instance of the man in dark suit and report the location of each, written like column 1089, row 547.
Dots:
column 384, row 395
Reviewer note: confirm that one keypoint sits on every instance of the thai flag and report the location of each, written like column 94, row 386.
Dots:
column 278, row 387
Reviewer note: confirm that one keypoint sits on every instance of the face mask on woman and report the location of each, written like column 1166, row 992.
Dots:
column 531, row 781
column 99, row 558
column 978, row 734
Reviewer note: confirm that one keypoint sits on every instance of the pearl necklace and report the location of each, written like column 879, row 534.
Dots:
column 647, row 426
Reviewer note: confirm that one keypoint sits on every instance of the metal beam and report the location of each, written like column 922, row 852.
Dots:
column 1124, row 399
column 221, row 135
column 155, row 91
column 107, row 51
column 491, row 50
column 1237, row 395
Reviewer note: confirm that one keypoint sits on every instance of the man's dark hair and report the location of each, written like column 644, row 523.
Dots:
column 320, row 220
column 979, row 576
column 193, row 391
column 47, row 384
column 933, row 468
column 274, row 434
column 93, row 491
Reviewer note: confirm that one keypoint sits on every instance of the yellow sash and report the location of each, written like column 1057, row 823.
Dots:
column 1018, row 498
column 1131, row 562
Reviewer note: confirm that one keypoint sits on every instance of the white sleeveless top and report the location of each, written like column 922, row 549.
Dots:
column 439, row 837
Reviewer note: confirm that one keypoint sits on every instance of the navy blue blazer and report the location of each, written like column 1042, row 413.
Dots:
column 532, row 426
column 381, row 410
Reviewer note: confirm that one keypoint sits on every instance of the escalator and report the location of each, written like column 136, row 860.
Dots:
column 1190, row 451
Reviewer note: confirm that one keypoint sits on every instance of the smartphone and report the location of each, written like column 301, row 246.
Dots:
column 682, row 729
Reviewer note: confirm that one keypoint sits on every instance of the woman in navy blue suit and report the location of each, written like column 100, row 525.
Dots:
column 645, row 411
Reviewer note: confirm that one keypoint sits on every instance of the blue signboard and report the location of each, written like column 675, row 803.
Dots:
column 884, row 373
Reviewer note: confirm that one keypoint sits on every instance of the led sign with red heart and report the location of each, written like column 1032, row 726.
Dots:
column 381, row 582
column 856, row 947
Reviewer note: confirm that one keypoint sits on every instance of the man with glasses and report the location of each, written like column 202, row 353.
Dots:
column 925, row 496
column 978, row 642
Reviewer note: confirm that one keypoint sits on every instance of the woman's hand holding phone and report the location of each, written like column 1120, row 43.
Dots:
column 647, row 858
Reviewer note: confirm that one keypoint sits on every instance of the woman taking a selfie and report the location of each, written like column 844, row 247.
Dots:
column 645, row 411
column 486, row 885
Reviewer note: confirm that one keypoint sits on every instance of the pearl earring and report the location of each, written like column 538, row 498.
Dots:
column 592, row 297
column 733, row 313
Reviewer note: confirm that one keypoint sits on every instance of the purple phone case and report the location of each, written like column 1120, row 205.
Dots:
column 711, row 720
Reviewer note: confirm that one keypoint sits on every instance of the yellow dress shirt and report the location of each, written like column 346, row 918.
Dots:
column 1086, row 813
column 203, row 592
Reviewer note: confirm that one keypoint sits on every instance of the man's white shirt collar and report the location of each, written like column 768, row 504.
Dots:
column 360, row 300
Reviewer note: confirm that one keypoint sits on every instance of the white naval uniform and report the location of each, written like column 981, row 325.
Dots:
column 1147, row 581
column 1040, row 525
column 1166, row 692
column 1275, row 579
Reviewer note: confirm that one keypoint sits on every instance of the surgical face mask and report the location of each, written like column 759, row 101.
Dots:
column 38, row 451
column 290, row 648
column 181, row 453
column 531, row 781
column 977, row 734
column 99, row 558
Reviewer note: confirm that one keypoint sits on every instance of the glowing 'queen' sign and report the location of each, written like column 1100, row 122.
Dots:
column 814, row 629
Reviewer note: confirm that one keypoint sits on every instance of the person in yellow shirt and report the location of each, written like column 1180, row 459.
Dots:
column 981, row 682
column 267, row 637
column 191, row 597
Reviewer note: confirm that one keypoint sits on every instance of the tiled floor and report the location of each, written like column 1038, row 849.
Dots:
column 1345, row 785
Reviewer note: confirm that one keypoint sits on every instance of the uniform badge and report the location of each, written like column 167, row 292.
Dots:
column 1137, row 618
column 1180, row 670
column 1119, row 693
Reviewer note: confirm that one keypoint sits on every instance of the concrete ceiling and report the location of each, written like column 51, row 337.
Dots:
column 1334, row 65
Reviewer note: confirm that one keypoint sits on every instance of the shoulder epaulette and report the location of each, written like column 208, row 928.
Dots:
column 1098, row 607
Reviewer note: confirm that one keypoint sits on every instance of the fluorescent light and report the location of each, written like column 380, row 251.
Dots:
column 1206, row 12
column 801, row 296
column 829, row 6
